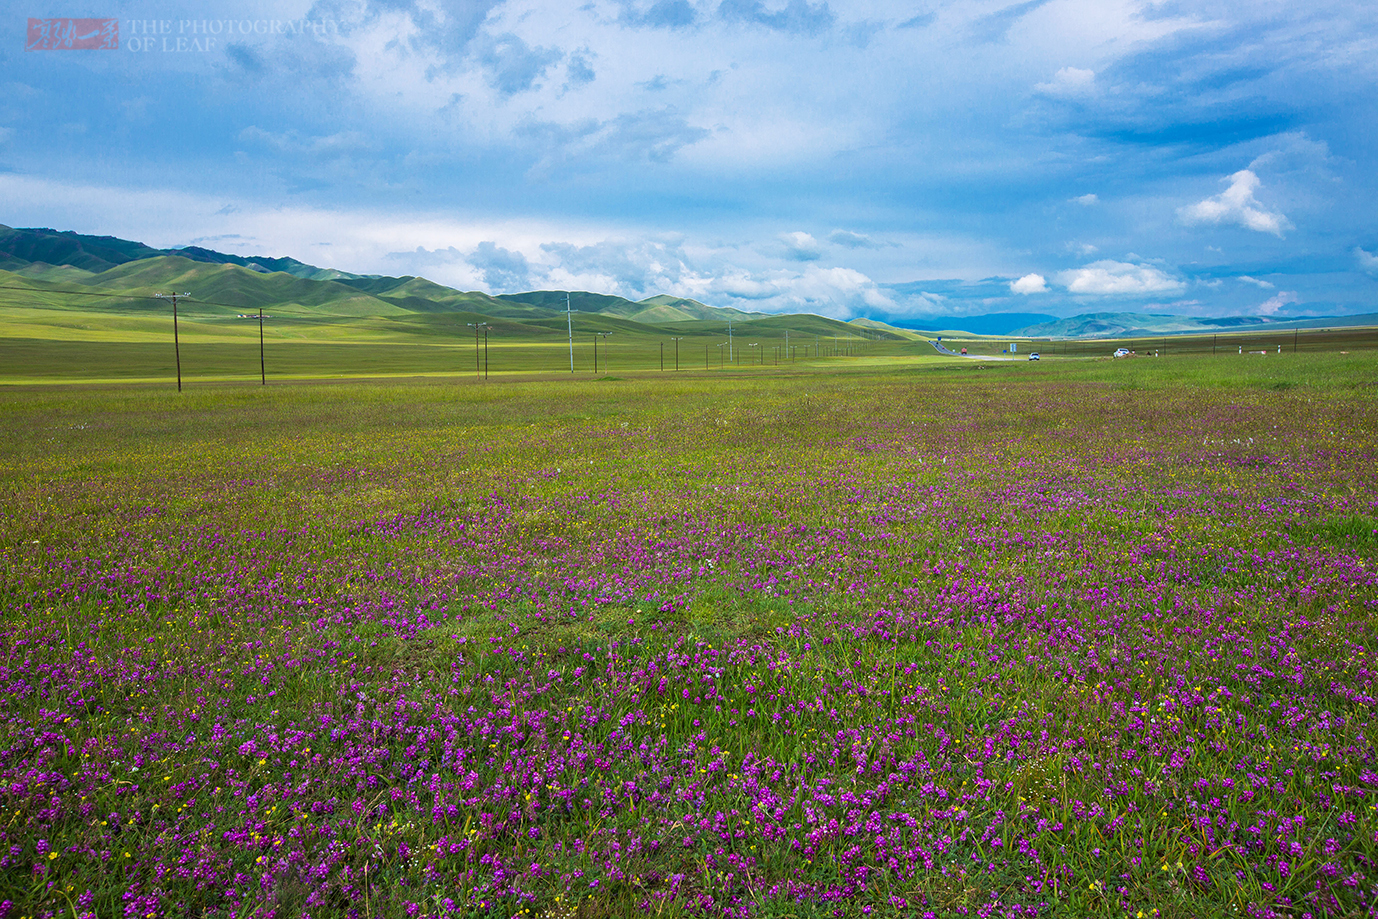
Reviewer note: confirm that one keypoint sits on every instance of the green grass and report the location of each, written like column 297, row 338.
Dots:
column 888, row 561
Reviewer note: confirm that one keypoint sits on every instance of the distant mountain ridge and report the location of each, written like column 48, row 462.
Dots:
column 1130, row 325
column 101, row 253
column 982, row 324
column 660, row 308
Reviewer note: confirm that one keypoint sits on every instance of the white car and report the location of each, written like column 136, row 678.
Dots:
column 1033, row 356
column 1122, row 352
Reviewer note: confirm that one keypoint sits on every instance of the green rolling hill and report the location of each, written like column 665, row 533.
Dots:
column 580, row 301
column 665, row 305
column 77, row 307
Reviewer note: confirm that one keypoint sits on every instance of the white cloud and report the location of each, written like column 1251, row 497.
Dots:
column 837, row 292
column 801, row 247
column 1276, row 302
column 1256, row 282
column 1236, row 205
column 1111, row 277
column 1069, row 81
column 1368, row 261
column 1030, row 284
column 1087, row 200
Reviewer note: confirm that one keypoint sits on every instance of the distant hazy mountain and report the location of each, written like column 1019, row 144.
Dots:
column 984, row 324
column 1128, row 325
column 657, row 309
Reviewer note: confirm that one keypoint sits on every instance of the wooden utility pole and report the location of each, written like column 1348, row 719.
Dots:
column 176, row 344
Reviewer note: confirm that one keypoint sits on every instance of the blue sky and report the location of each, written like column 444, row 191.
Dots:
column 892, row 159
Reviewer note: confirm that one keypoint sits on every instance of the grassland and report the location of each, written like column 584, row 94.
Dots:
column 63, row 339
column 919, row 638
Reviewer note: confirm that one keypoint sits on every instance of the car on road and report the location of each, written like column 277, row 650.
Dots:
column 1122, row 352
column 1033, row 355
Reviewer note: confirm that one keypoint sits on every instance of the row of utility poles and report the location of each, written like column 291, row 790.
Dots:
column 481, row 329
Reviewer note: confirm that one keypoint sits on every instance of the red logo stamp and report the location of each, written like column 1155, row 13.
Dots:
column 73, row 35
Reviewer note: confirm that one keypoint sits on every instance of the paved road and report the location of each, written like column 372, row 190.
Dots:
column 942, row 349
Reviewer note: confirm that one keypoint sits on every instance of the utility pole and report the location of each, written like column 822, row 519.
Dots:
column 476, row 326
column 662, row 357
column 677, row 341
column 262, row 366
column 176, row 344
column 569, row 321
column 729, row 339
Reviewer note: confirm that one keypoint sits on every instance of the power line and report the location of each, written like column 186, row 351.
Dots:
column 79, row 293
column 94, row 293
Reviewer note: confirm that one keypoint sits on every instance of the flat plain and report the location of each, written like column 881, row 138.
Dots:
column 911, row 639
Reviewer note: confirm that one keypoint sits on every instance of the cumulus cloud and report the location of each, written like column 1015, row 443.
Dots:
column 1111, row 277
column 1030, row 284
column 1368, row 261
column 630, row 268
column 503, row 270
column 1069, row 81
column 1276, row 302
column 837, row 292
column 1236, row 205
column 801, row 247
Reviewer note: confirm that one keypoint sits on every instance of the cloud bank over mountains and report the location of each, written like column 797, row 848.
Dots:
column 847, row 158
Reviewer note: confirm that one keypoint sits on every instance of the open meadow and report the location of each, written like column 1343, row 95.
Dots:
column 935, row 638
